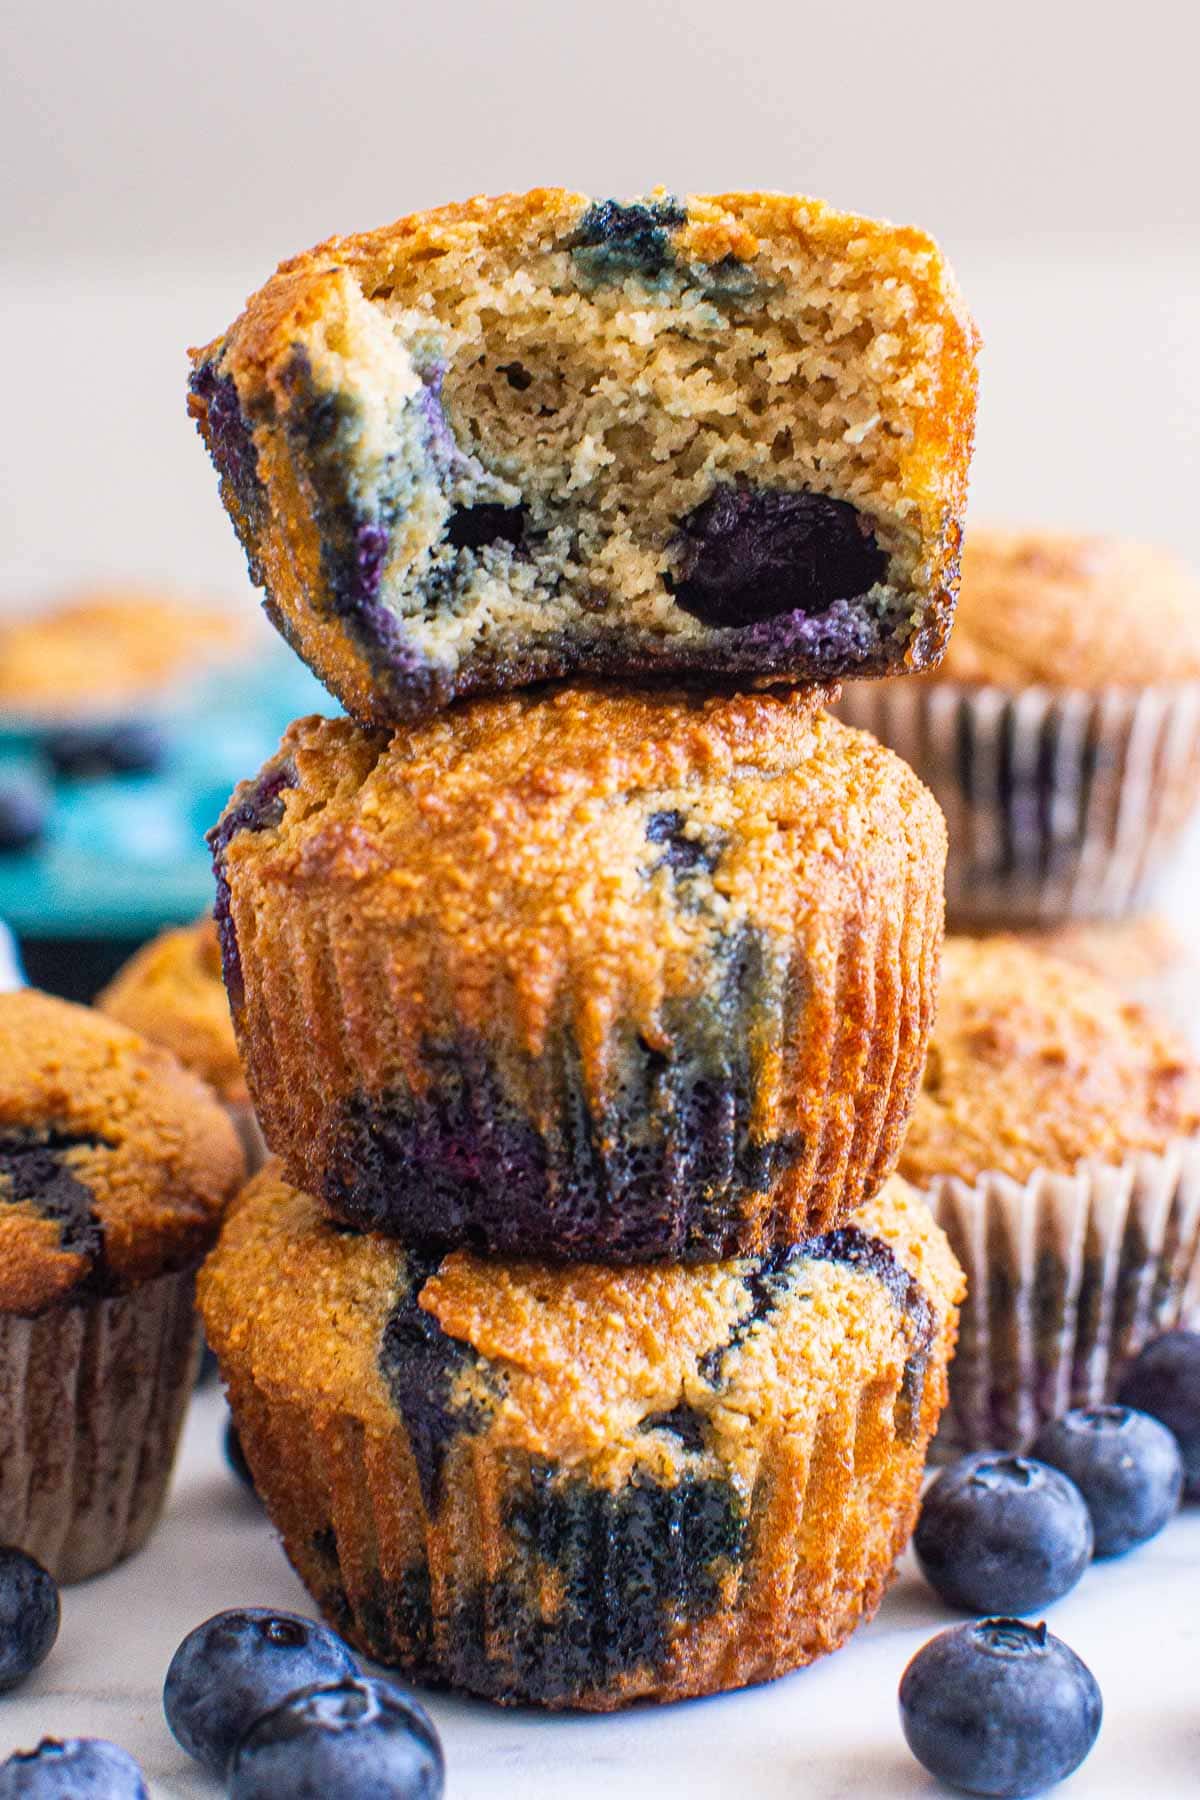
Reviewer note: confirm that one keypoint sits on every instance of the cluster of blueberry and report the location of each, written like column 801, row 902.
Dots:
column 273, row 1703
column 74, row 753
column 1000, row 1706
column 269, row 1702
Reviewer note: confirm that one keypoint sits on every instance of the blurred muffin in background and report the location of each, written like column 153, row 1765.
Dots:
column 1061, row 733
column 126, row 717
column 171, row 992
column 1057, row 1139
column 100, row 653
column 1145, row 957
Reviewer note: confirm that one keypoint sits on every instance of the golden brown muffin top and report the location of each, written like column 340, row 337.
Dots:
column 172, row 992
column 504, row 848
column 101, row 650
column 1037, row 1064
column 115, row 1162
column 1071, row 612
column 569, row 1362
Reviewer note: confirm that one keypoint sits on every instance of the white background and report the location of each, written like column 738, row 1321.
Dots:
column 159, row 159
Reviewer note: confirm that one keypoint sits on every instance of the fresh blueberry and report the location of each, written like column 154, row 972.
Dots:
column 29, row 1616
column 999, row 1707
column 1001, row 1533
column 134, row 747
column 73, row 1769
column 1125, row 1464
column 23, row 814
column 237, row 1666
column 352, row 1738
column 235, row 1456
column 1164, row 1381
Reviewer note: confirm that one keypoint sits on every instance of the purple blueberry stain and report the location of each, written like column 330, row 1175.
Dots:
column 750, row 554
column 259, row 809
column 614, row 238
column 34, row 1170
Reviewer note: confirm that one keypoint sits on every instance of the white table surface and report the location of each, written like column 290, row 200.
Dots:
column 827, row 1733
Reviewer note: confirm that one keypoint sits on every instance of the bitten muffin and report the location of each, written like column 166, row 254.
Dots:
column 99, row 653
column 541, row 435
column 583, row 1486
column 1061, row 733
column 1056, row 1137
column 115, row 1167
column 589, row 974
column 171, row 991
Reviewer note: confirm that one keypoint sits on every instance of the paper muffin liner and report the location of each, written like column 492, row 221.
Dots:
column 245, row 1123
column 1067, row 1277
column 526, row 1601
column 1061, row 804
column 648, row 1171
column 92, row 1401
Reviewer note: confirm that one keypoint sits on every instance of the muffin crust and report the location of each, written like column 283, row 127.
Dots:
column 115, row 1163
column 1037, row 1064
column 462, row 1456
column 664, row 964
column 171, row 992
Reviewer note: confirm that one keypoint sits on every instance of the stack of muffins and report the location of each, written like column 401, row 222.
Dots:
column 1058, row 1133
column 580, row 1340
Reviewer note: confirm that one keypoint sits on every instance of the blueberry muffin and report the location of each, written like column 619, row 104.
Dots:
column 104, row 653
column 584, row 974
column 580, row 1485
column 1056, row 1138
column 171, row 992
column 1061, row 733
column 115, row 1167
column 541, row 436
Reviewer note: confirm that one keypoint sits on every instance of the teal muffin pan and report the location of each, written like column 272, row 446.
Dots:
column 102, row 825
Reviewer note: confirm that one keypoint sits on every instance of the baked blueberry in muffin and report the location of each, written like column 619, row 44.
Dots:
column 585, row 974
column 583, row 1486
column 541, row 436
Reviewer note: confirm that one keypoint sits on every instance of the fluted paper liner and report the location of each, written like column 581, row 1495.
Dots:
column 455, row 1596
column 1061, row 804
column 1068, row 1276
column 92, row 1401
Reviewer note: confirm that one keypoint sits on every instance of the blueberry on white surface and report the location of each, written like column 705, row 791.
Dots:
column 1164, row 1380
column 1002, row 1534
column 361, row 1740
column 30, row 1615
column 237, row 1666
column 72, row 1769
column 999, row 1707
column 1126, row 1465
